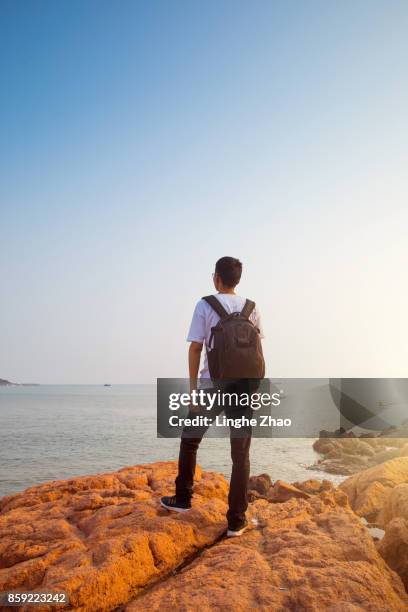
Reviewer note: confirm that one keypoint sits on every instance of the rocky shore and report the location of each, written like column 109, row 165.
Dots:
column 106, row 541
column 347, row 454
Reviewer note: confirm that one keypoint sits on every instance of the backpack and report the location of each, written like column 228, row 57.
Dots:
column 235, row 349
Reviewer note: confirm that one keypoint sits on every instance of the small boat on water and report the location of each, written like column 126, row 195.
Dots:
column 107, row 385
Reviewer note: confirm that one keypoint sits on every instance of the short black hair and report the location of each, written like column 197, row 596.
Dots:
column 230, row 270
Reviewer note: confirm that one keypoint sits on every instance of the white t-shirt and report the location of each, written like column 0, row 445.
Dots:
column 205, row 317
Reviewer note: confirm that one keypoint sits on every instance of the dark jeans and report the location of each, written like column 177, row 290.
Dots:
column 240, row 443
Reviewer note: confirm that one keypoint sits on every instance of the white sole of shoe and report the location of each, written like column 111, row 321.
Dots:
column 174, row 509
column 236, row 534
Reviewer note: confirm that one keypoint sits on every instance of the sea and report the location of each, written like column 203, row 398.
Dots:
column 51, row 432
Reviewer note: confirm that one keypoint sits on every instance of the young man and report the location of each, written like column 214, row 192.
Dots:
column 226, row 277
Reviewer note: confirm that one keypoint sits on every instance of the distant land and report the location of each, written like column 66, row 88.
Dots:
column 7, row 383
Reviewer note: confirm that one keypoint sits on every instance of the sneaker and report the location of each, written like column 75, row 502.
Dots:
column 235, row 533
column 171, row 503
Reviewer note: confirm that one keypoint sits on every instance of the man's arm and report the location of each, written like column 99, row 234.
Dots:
column 194, row 355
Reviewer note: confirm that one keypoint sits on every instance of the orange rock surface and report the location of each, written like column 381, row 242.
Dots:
column 394, row 518
column 261, row 487
column 282, row 491
column 394, row 547
column 102, row 538
column 303, row 555
column 106, row 541
column 395, row 505
column 368, row 490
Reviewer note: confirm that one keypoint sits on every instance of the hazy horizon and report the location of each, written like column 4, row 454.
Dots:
column 141, row 142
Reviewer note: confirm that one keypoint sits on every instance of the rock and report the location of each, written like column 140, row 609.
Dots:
column 283, row 491
column 394, row 547
column 305, row 554
column 254, row 495
column 348, row 455
column 367, row 491
column 395, row 505
column 323, row 445
column 103, row 538
column 106, row 541
column 339, row 466
column 344, row 446
column 314, row 486
column 261, row 487
column 386, row 455
column 261, row 484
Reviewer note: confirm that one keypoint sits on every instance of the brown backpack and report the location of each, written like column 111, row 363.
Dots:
column 235, row 349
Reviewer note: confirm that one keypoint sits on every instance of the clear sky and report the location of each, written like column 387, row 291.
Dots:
column 140, row 141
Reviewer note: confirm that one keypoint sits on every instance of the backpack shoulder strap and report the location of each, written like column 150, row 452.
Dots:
column 216, row 305
column 247, row 309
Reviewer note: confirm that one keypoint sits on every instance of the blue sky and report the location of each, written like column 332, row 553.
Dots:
column 140, row 141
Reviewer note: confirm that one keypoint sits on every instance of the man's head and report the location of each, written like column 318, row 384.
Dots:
column 227, row 274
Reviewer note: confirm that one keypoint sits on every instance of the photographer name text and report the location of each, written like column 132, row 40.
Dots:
column 224, row 421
